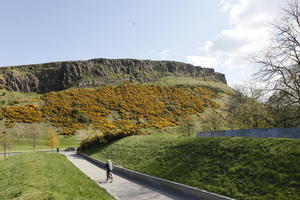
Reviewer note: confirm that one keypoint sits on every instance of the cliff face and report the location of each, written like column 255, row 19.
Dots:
column 57, row 76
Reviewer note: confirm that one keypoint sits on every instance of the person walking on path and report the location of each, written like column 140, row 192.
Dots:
column 109, row 168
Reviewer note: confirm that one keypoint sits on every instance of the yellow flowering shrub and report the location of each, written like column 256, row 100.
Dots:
column 25, row 114
column 136, row 107
column 139, row 106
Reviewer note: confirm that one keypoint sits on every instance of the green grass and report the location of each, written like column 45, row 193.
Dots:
column 43, row 176
column 174, row 80
column 8, row 97
column 25, row 144
column 243, row 168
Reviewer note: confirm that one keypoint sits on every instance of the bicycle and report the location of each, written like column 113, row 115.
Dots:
column 109, row 176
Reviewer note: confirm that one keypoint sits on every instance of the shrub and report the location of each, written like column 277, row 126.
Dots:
column 83, row 119
column 137, row 107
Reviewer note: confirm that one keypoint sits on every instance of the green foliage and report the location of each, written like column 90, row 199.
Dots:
column 83, row 118
column 247, row 112
column 213, row 120
column 17, row 98
column 44, row 176
column 243, row 168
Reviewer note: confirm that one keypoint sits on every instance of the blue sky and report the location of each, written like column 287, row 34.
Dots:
column 35, row 31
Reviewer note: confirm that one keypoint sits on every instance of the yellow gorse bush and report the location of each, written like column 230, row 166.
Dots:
column 25, row 114
column 137, row 107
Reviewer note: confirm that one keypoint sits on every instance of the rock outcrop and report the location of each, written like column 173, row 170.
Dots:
column 57, row 76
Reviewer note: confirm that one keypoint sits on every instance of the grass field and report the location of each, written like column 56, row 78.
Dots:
column 25, row 144
column 243, row 168
column 173, row 80
column 12, row 97
column 44, row 176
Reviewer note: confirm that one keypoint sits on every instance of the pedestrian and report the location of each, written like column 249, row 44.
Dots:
column 108, row 168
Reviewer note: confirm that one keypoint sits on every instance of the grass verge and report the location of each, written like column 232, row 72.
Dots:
column 44, row 176
column 19, row 144
column 243, row 168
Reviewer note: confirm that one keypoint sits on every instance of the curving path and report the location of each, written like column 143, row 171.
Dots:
column 121, row 188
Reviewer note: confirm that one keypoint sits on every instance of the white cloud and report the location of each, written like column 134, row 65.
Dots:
column 248, row 35
column 164, row 54
column 203, row 61
column 207, row 46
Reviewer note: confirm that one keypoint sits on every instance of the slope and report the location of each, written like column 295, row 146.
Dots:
column 243, row 168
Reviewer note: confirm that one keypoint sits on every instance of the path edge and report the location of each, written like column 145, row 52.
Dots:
column 164, row 184
column 114, row 196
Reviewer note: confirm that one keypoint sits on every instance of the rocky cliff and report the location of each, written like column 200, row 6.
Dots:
column 57, row 76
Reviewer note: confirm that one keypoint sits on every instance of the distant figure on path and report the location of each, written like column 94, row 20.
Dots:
column 109, row 168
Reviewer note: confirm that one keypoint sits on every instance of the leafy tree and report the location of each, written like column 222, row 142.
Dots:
column 213, row 120
column 53, row 142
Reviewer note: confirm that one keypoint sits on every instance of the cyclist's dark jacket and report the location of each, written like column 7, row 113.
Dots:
column 107, row 167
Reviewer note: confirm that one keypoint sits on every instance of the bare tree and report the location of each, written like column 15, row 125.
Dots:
column 35, row 131
column 5, row 137
column 246, row 109
column 188, row 126
column 280, row 64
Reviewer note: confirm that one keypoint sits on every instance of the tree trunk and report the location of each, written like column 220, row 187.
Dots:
column 4, row 145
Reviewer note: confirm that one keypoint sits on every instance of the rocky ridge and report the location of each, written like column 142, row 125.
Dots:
column 42, row 78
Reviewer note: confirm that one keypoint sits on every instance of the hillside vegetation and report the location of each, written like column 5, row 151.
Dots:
column 43, row 176
column 125, row 108
column 17, row 98
column 243, row 168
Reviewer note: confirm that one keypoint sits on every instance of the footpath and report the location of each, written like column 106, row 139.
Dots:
column 121, row 188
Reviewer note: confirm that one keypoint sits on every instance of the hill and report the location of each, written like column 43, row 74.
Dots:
column 33, row 176
column 131, row 97
column 243, row 168
column 126, row 108
column 56, row 76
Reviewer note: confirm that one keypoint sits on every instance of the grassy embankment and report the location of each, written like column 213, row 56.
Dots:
column 243, row 168
column 43, row 176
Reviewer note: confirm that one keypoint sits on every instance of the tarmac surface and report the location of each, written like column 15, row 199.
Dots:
column 120, row 188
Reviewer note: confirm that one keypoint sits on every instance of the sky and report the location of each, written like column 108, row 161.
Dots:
column 220, row 34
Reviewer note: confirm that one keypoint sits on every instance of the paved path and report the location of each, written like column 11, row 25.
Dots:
column 121, row 188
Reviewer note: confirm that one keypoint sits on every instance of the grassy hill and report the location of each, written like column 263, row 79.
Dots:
column 43, row 176
column 125, row 108
column 243, row 168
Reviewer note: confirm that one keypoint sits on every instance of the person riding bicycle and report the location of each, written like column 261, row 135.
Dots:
column 109, row 168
